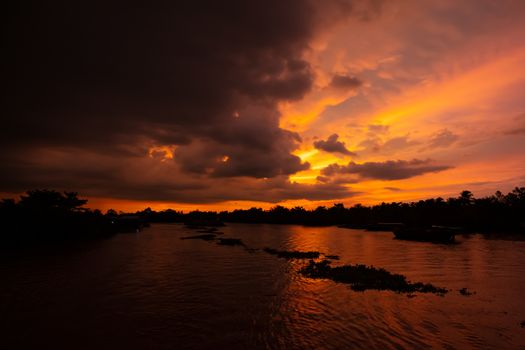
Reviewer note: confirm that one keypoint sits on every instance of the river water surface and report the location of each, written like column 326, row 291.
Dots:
column 152, row 290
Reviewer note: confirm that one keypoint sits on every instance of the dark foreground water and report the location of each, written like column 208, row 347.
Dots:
column 154, row 291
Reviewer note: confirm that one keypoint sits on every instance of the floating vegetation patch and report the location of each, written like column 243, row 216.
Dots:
column 208, row 237
column 332, row 257
column 292, row 254
column 362, row 277
column 230, row 241
column 522, row 324
column 466, row 292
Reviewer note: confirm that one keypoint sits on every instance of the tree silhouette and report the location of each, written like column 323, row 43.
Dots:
column 46, row 215
column 48, row 200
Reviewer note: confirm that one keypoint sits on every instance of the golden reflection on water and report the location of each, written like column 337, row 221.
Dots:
column 490, row 269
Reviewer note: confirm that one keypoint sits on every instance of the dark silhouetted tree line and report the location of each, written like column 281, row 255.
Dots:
column 168, row 215
column 44, row 215
column 48, row 216
column 488, row 214
column 494, row 213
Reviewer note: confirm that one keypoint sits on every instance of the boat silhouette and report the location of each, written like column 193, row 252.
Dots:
column 438, row 234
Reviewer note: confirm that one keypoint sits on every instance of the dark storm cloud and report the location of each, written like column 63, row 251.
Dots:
column 86, row 73
column 333, row 146
column 109, row 80
column 345, row 82
column 389, row 170
column 140, row 178
column 230, row 159
column 89, row 74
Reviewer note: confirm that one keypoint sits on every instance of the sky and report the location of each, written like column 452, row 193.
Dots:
column 217, row 105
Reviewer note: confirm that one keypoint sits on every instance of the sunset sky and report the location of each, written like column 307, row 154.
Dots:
column 233, row 104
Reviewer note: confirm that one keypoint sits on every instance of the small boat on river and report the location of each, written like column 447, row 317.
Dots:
column 437, row 234
column 385, row 226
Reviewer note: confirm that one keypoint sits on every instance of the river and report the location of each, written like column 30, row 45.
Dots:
column 152, row 290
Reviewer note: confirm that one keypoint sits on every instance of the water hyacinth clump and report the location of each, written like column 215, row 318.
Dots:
column 207, row 237
column 362, row 277
column 230, row 241
column 292, row 254
column 466, row 292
